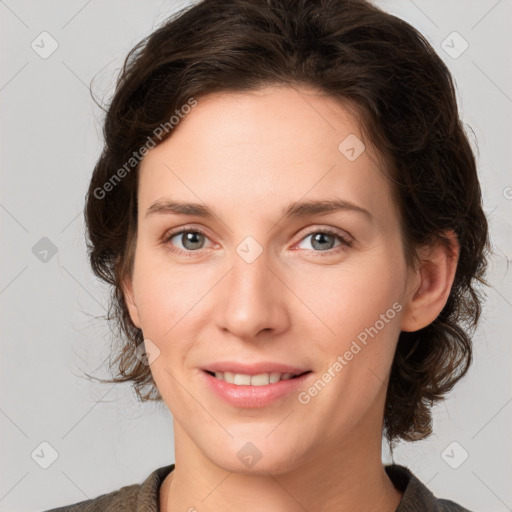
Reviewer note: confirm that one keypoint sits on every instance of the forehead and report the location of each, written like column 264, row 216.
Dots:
column 275, row 144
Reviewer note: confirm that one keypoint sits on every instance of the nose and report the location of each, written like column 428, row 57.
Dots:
column 252, row 298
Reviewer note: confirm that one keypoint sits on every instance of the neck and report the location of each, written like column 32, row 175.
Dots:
column 341, row 480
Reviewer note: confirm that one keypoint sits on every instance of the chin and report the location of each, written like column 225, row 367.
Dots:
column 257, row 457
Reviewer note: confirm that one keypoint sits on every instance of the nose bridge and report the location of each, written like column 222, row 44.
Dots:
column 250, row 275
column 250, row 272
column 251, row 300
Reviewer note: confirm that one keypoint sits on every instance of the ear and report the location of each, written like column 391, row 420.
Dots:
column 129, row 299
column 430, row 283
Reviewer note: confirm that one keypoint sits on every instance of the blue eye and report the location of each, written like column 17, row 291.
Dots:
column 319, row 243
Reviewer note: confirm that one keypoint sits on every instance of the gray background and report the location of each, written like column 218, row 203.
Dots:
column 51, row 137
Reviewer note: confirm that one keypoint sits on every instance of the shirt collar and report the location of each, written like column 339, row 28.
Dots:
column 415, row 495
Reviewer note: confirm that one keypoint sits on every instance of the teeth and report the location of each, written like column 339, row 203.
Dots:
column 262, row 379
column 242, row 380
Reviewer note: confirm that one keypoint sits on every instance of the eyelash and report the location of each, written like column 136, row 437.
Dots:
column 329, row 252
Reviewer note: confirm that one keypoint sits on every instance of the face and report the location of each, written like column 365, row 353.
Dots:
column 263, row 280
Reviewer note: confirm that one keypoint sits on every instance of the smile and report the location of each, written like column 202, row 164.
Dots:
column 262, row 379
column 250, row 391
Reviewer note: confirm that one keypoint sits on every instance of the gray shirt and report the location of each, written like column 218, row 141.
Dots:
column 145, row 497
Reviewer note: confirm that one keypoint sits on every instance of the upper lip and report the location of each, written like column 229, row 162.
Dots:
column 253, row 368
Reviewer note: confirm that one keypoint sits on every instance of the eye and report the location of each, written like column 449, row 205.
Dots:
column 323, row 240
column 191, row 240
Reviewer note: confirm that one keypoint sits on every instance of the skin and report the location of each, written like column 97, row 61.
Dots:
column 247, row 156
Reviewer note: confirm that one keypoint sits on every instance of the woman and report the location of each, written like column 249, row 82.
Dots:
column 243, row 135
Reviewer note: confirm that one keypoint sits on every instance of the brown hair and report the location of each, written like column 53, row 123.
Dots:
column 353, row 52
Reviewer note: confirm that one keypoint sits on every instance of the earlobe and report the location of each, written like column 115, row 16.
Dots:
column 129, row 299
column 431, row 283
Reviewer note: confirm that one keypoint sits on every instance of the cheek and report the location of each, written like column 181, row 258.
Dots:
column 160, row 297
column 162, row 303
column 344, row 300
column 361, row 304
column 156, row 305
column 170, row 310
column 362, row 310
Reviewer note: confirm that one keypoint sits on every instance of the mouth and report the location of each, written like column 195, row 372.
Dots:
column 261, row 379
column 243, row 390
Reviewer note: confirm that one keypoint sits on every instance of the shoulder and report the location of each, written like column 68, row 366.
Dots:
column 450, row 506
column 416, row 495
column 128, row 498
column 122, row 499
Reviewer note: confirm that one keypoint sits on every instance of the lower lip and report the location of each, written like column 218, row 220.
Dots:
column 254, row 396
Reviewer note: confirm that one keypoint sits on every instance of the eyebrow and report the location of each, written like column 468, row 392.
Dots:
column 296, row 209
